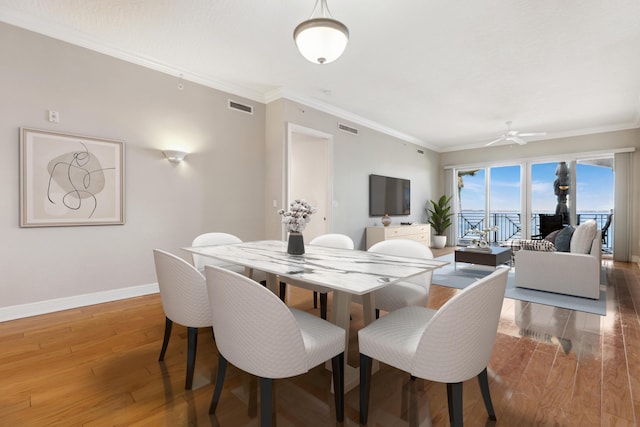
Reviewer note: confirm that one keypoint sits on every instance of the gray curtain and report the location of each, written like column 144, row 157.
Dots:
column 450, row 189
column 622, row 213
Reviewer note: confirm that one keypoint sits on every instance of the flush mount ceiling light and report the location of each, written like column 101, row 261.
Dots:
column 321, row 39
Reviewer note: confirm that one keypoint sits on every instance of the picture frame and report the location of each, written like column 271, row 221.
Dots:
column 70, row 180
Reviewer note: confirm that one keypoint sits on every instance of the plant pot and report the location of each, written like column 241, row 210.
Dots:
column 296, row 244
column 439, row 242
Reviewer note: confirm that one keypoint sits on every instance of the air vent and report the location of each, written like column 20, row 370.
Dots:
column 348, row 129
column 240, row 107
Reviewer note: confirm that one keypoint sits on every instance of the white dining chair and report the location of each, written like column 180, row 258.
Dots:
column 217, row 238
column 449, row 345
column 331, row 240
column 183, row 293
column 408, row 292
column 259, row 334
column 214, row 239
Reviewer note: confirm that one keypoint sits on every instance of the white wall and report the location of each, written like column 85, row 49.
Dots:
column 354, row 159
column 218, row 187
column 234, row 171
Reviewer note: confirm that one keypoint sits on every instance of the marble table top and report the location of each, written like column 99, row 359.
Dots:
column 353, row 271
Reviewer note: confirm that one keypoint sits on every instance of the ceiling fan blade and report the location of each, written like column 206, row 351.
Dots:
column 531, row 134
column 495, row 140
column 517, row 140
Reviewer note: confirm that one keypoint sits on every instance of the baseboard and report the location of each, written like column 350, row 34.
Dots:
column 59, row 304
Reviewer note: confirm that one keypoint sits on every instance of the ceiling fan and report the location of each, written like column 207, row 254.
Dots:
column 514, row 136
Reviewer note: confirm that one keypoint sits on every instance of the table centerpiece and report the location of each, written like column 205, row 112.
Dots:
column 295, row 221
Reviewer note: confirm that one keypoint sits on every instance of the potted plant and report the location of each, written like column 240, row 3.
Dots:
column 440, row 219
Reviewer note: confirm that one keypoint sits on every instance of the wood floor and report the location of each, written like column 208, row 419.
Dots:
column 97, row 366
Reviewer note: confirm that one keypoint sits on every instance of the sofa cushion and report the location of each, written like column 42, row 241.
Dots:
column 537, row 245
column 551, row 237
column 583, row 237
column 563, row 239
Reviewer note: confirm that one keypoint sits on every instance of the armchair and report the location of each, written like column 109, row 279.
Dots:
column 548, row 224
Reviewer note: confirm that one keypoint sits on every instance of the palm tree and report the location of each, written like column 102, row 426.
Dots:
column 461, row 184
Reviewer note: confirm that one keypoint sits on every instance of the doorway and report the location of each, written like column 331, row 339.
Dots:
column 309, row 177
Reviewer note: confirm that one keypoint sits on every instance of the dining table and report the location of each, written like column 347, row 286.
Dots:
column 346, row 272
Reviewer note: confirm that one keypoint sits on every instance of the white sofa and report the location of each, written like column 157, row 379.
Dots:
column 570, row 273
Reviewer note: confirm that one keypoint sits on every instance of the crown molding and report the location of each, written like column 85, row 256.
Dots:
column 76, row 38
column 552, row 136
column 324, row 107
column 50, row 29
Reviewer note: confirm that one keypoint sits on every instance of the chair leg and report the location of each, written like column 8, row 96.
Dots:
column 323, row 306
column 408, row 392
column 337, row 366
column 483, row 379
column 283, row 291
column 413, row 415
column 222, row 368
column 192, row 344
column 168, row 324
column 365, row 387
column 315, row 299
column 266, row 401
column 377, row 313
column 454, row 397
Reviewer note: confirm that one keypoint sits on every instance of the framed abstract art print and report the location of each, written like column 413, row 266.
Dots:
column 70, row 180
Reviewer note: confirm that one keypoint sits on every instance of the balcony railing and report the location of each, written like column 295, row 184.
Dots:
column 509, row 225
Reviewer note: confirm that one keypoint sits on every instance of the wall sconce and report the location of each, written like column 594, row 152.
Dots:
column 174, row 156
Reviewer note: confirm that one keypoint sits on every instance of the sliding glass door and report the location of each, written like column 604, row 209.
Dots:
column 505, row 201
column 572, row 191
column 552, row 193
column 595, row 196
column 472, row 203
column 489, row 197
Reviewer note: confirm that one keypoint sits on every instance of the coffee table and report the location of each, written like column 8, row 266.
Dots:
column 494, row 257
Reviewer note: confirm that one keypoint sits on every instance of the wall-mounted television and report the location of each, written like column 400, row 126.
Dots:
column 389, row 195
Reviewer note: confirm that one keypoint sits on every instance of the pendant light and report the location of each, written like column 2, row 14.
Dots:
column 321, row 39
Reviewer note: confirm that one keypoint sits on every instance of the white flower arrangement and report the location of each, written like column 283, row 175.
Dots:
column 298, row 215
column 483, row 233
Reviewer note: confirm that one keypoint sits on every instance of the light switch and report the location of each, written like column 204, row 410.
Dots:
column 54, row 116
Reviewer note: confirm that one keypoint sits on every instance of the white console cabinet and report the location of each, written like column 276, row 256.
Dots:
column 418, row 232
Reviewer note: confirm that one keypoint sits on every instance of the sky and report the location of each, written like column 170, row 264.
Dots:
column 594, row 192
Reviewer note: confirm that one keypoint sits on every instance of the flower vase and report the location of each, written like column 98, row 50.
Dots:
column 296, row 243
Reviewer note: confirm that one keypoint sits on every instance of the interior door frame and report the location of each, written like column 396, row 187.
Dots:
column 295, row 128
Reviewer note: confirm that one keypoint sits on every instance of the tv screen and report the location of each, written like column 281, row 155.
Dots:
column 389, row 196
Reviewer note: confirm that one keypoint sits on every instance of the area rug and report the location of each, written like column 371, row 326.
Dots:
column 465, row 274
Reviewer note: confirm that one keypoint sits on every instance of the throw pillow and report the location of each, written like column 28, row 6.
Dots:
column 551, row 237
column 537, row 245
column 563, row 239
column 583, row 237
column 513, row 244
